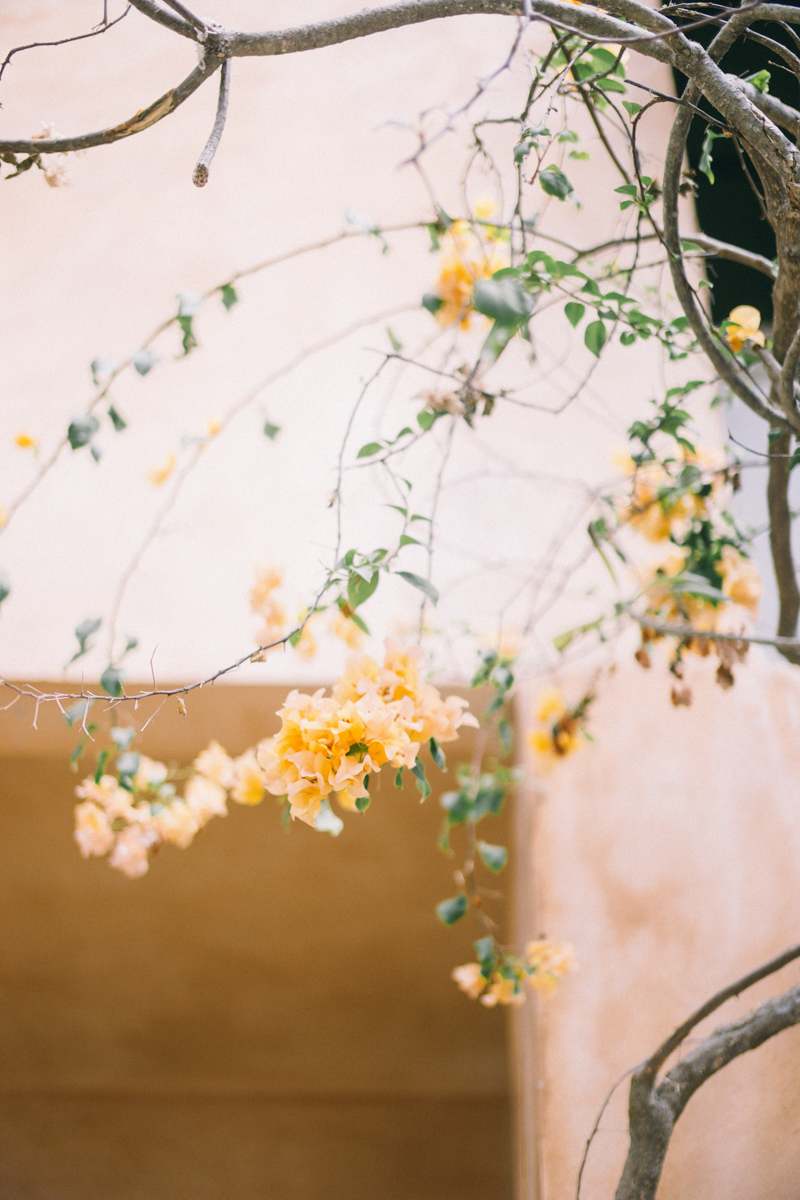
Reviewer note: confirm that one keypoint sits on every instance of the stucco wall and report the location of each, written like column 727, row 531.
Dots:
column 668, row 853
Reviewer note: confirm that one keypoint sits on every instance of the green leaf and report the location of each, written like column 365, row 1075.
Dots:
column 424, row 788
column 111, row 681
column 506, row 301
column 760, row 80
column 189, row 340
column 407, row 540
column 450, row 911
column 432, row 302
column 81, row 430
column 424, row 585
column 496, row 341
column 489, row 799
column 425, row 419
column 627, row 338
column 360, row 589
column 631, row 108
column 271, row 431
column 458, row 807
column 437, row 754
column 398, row 779
column 394, row 341
column 574, row 313
column 362, row 803
column 370, row 449
column 486, row 956
column 555, row 183
column 83, row 632
column 505, row 734
column 144, row 361
column 117, row 421
column 706, row 153
column 595, row 337
column 5, row 586
column 229, row 296
column 102, row 759
column 495, row 857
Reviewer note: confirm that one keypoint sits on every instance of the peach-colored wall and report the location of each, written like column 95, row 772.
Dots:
column 90, row 270
column 668, row 853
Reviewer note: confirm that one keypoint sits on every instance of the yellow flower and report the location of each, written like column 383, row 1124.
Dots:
column 470, row 979
column 655, row 518
column 249, row 785
column 216, row 765
column 205, row 798
column 213, row 426
column 464, row 261
column 740, row 579
column 502, row 991
column 176, row 823
column 745, row 321
column 307, row 646
column 550, row 963
column 159, row 475
column 560, row 734
column 376, row 715
column 342, row 627
column 485, row 207
column 130, row 852
column 551, row 704
column 26, row 441
column 150, row 774
column 92, row 830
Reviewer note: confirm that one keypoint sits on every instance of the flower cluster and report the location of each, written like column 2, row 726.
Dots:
column 500, row 979
column 704, row 579
column 562, row 730
column 128, row 816
column 265, row 604
column 332, row 744
column 466, row 258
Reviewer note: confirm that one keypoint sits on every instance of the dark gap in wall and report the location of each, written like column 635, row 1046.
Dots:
column 728, row 209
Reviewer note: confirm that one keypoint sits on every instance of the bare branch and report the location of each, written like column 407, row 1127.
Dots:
column 155, row 12
column 142, row 120
column 717, row 249
column 63, row 41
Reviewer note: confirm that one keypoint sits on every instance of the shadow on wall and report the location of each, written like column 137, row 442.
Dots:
column 264, row 1014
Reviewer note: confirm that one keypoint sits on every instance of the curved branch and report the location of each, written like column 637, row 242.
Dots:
column 142, row 120
column 780, row 542
column 722, row 364
column 653, row 1110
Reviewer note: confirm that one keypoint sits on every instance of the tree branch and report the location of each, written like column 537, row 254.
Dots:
column 143, row 119
column 653, row 1110
column 717, row 249
column 200, row 177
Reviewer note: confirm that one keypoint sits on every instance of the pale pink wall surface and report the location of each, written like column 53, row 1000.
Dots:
column 668, row 854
